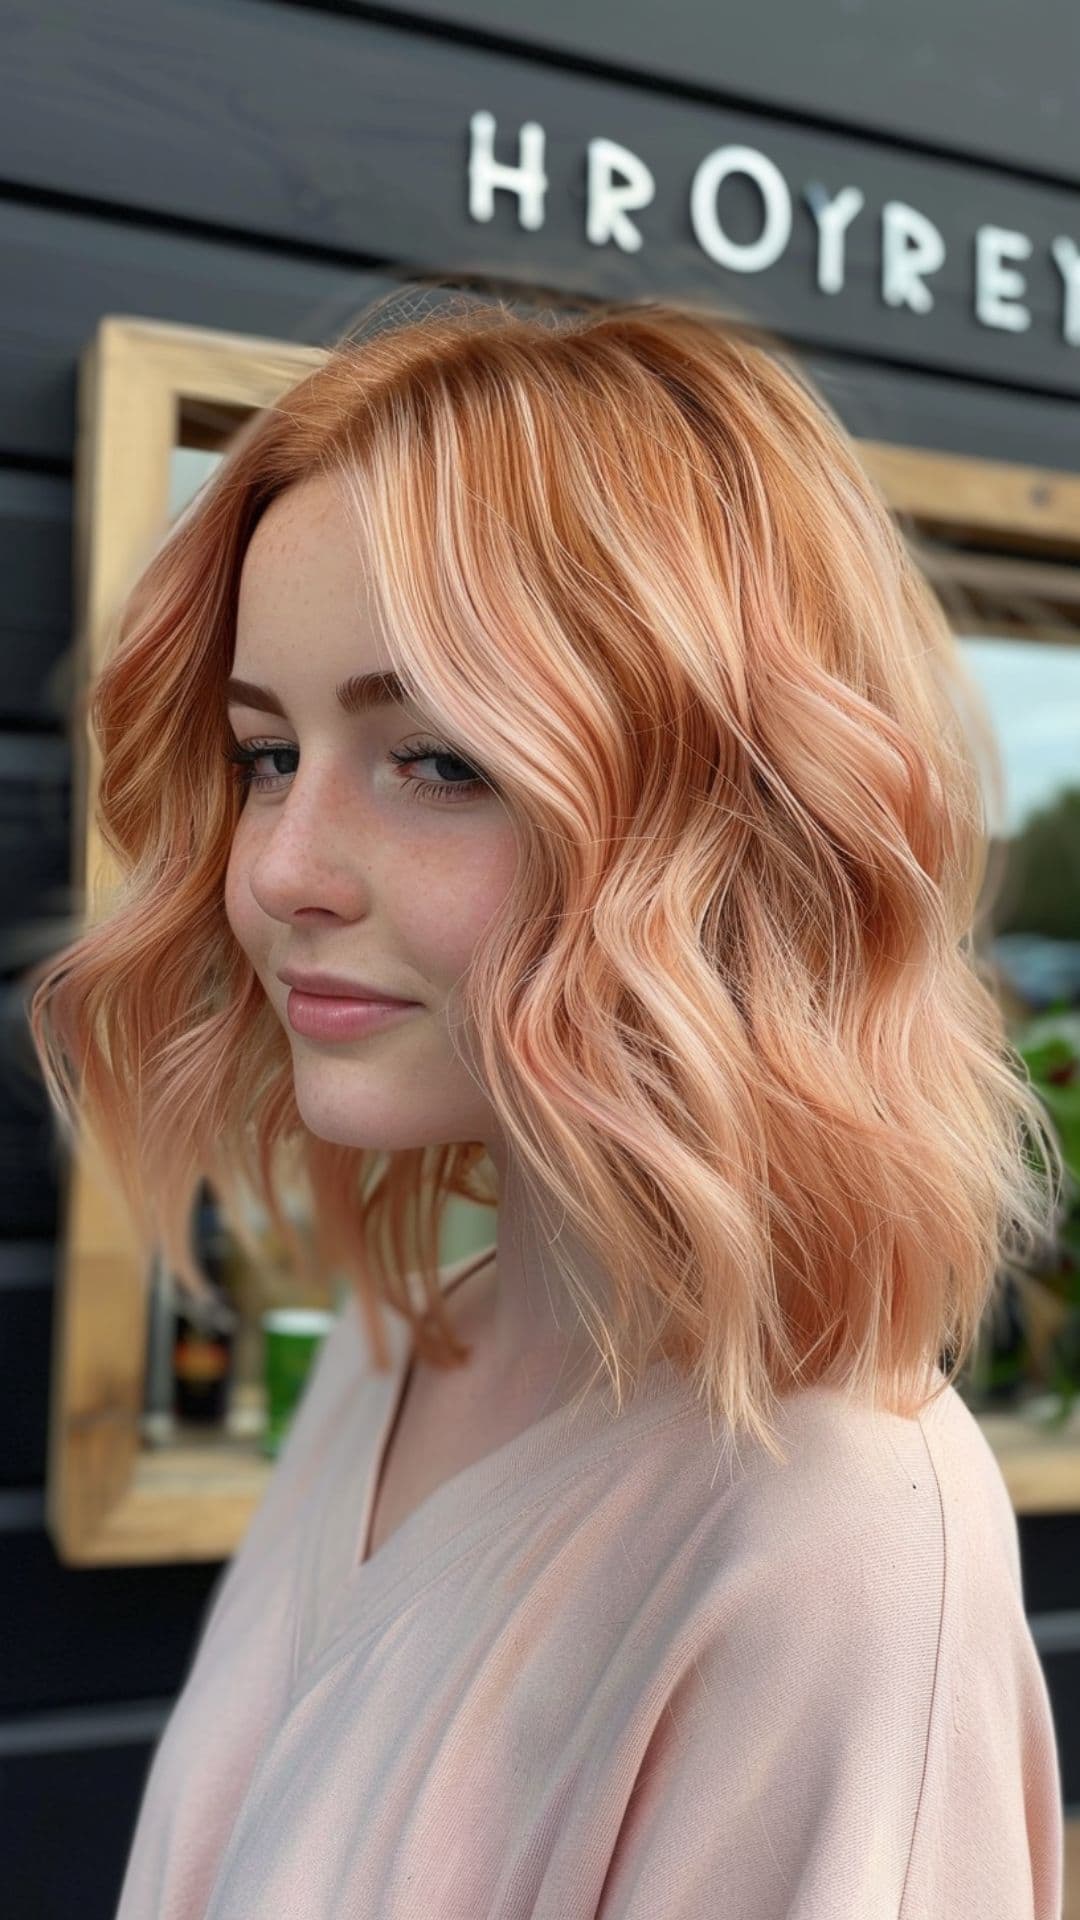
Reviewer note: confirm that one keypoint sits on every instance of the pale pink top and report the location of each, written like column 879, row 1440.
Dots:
column 612, row 1671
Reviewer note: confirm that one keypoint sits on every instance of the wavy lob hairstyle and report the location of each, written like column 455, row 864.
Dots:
column 730, row 1016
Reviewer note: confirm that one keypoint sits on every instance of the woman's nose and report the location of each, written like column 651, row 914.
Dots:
column 316, row 854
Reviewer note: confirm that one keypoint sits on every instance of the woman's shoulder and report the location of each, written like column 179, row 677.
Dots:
column 846, row 1632
column 866, row 1509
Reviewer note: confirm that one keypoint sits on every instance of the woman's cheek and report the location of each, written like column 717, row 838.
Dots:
column 240, row 910
column 450, row 907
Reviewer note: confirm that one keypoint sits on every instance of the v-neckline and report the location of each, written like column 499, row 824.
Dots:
column 464, row 1507
column 398, row 1385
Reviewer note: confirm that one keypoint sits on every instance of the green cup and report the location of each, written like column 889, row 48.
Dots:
column 292, row 1337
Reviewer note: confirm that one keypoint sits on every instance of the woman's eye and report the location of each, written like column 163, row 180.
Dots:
column 245, row 756
column 451, row 789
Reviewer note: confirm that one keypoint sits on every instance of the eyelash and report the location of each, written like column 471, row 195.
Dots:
column 244, row 756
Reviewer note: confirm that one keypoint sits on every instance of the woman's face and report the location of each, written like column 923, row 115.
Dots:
column 338, row 863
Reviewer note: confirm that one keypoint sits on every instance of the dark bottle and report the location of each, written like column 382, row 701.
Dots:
column 204, row 1331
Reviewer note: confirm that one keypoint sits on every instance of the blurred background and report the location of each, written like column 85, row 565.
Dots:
column 895, row 191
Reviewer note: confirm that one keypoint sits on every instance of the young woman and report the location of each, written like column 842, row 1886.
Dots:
column 563, row 680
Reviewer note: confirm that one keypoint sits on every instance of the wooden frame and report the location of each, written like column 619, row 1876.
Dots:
column 147, row 390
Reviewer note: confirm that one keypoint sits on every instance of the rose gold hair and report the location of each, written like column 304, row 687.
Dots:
column 731, row 1018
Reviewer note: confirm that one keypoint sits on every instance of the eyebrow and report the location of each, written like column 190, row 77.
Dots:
column 360, row 693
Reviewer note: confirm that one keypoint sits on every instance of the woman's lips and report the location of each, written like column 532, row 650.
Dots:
column 321, row 1016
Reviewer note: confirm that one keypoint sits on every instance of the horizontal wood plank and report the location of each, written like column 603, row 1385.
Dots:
column 1010, row 91
column 343, row 138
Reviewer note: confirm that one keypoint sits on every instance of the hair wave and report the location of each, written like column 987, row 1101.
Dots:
column 731, row 1016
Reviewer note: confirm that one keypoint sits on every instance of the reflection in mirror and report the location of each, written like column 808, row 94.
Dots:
column 1032, row 943
column 1032, row 689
